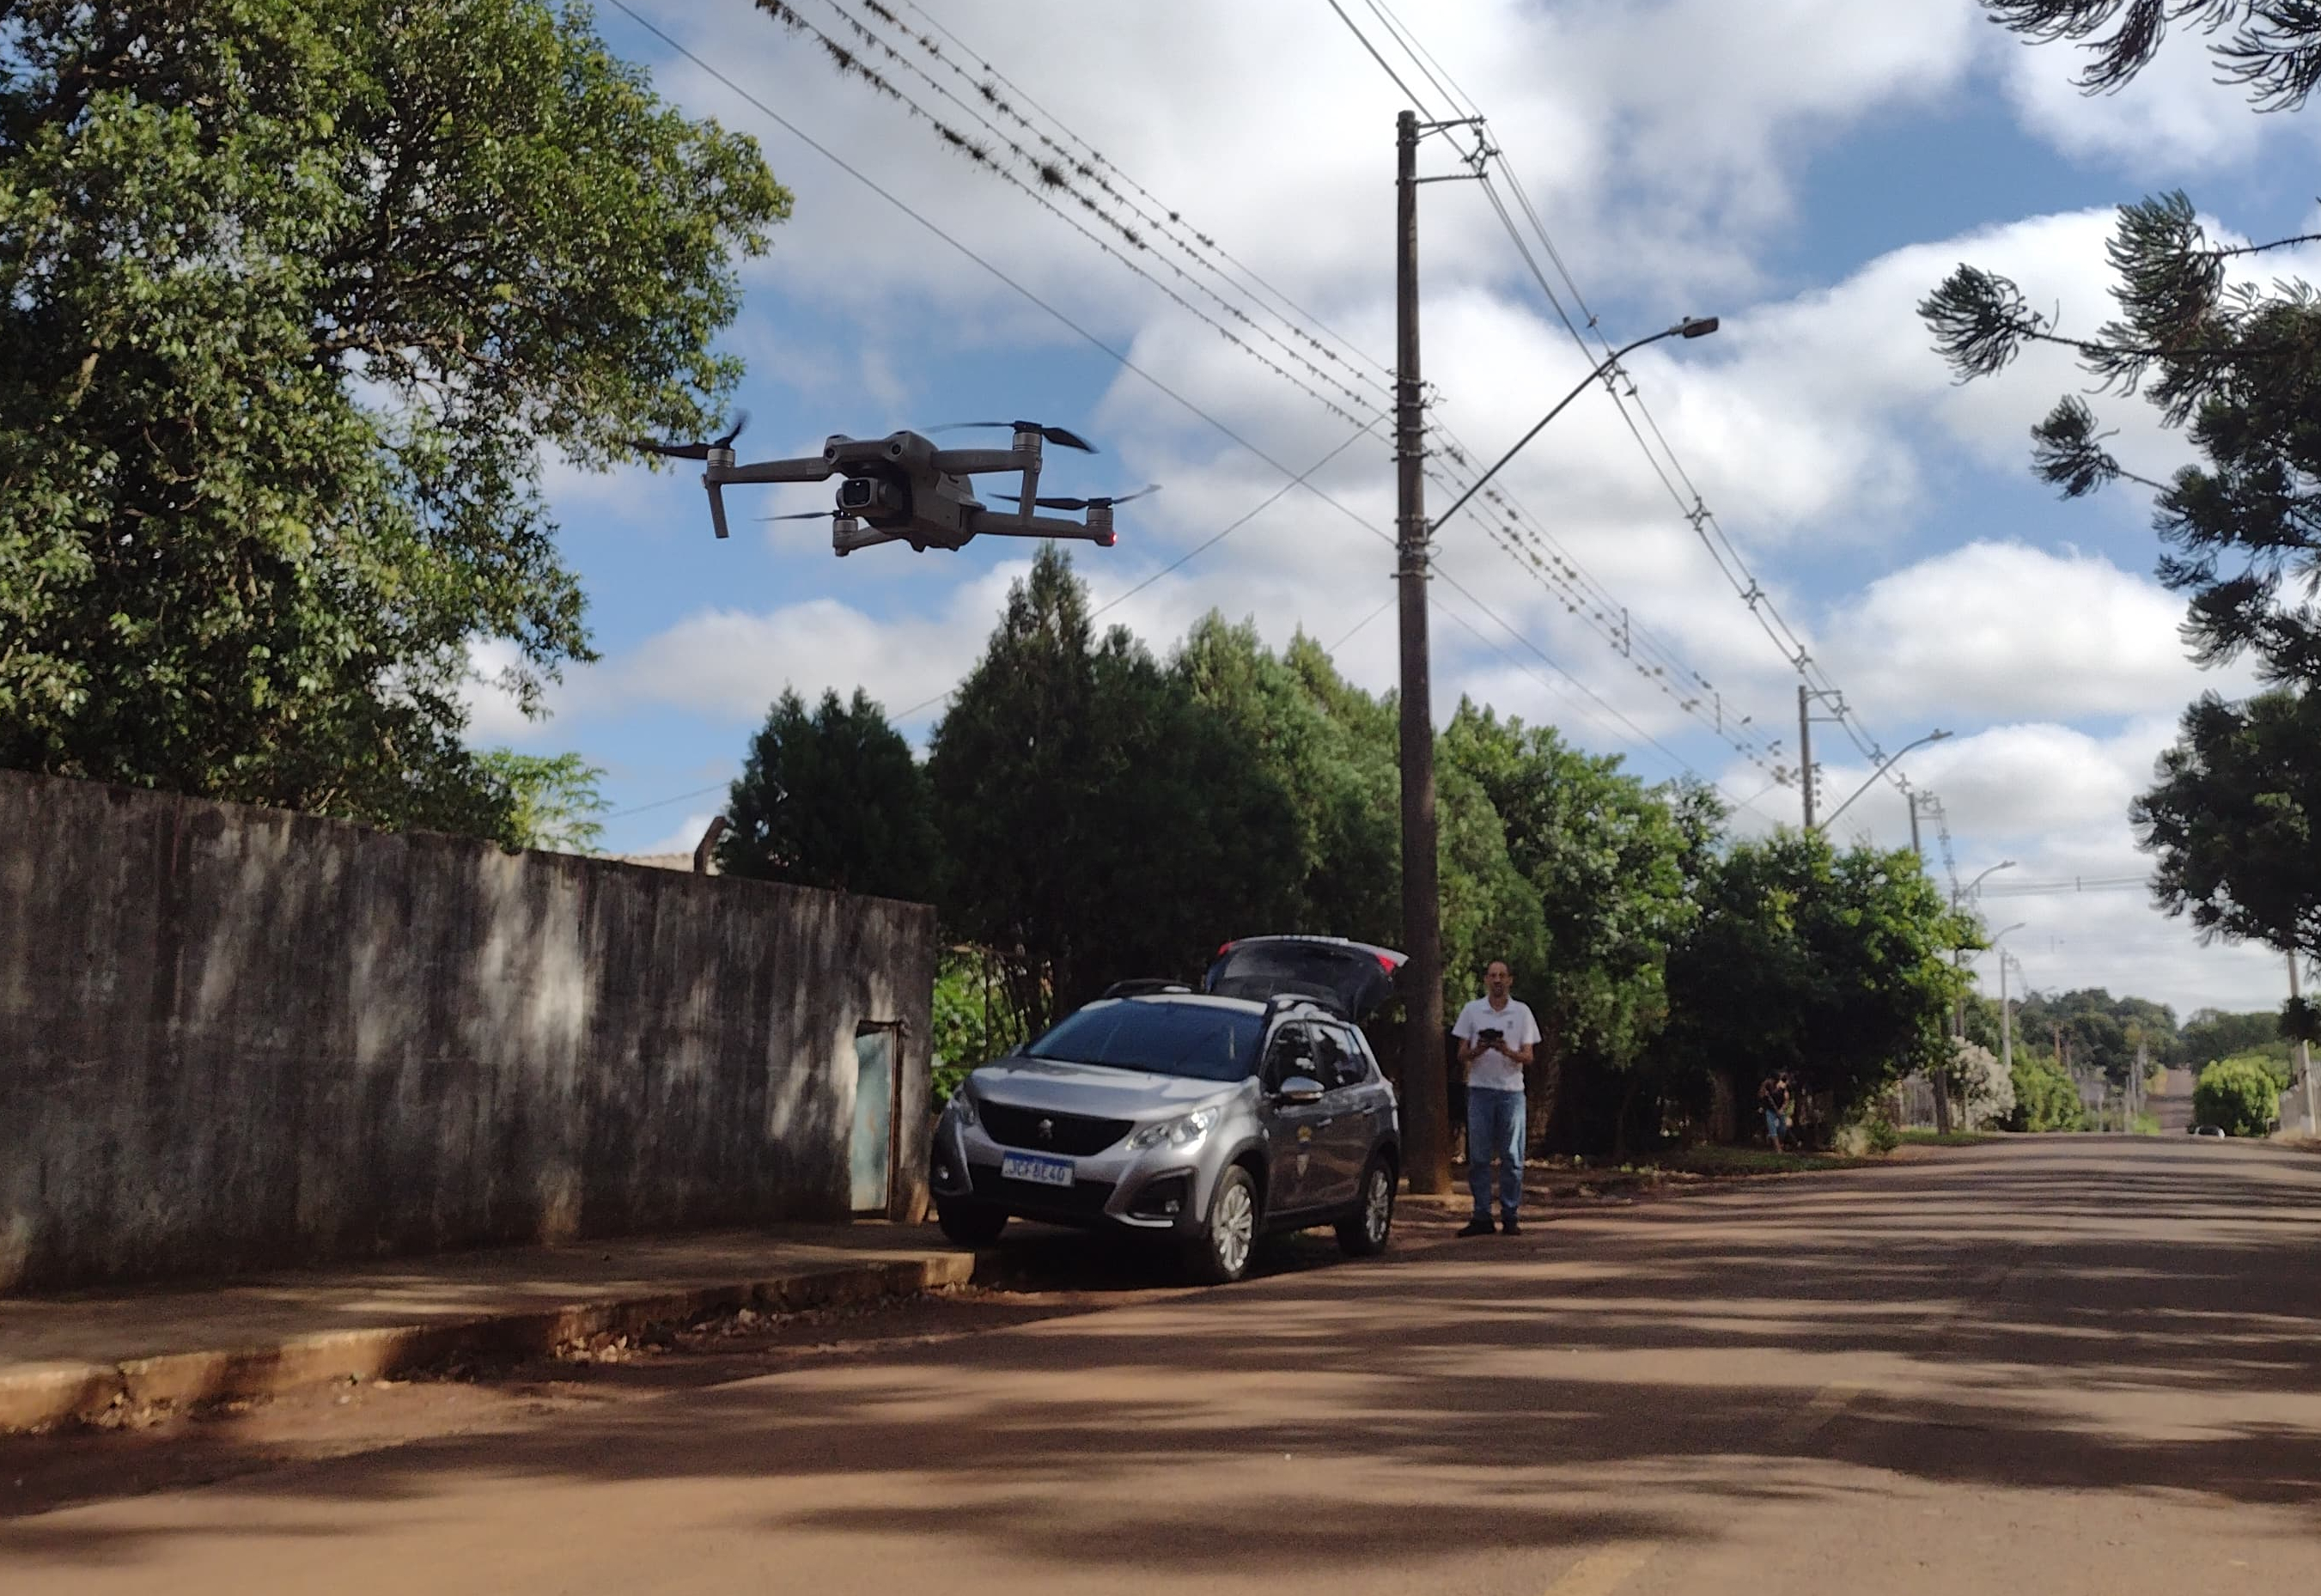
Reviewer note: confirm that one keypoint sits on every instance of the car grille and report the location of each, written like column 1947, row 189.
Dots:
column 1076, row 1135
column 1083, row 1201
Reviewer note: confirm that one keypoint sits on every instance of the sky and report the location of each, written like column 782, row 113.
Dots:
column 1807, row 170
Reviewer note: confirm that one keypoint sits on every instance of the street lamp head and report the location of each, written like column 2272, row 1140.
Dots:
column 1696, row 326
column 1938, row 737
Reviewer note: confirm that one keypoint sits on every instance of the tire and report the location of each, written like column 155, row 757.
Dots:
column 971, row 1225
column 1219, row 1254
column 1365, row 1232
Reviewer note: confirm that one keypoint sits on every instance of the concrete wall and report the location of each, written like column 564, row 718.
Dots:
column 234, row 1037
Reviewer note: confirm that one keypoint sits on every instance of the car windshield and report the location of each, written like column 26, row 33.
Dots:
column 1198, row 1040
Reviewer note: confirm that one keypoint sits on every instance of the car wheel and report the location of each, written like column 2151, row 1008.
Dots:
column 971, row 1225
column 1364, row 1233
column 1219, row 1254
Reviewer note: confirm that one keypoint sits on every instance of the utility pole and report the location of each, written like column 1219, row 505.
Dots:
column 2006, row 1020
column 1805, row 748
column 1425, row 1095
column 2304, row 1057
column 1917, row 852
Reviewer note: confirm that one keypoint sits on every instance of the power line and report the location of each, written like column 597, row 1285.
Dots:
column 1526, row 526
column 1118, row 356
column 664, row 803
column 1689, row 499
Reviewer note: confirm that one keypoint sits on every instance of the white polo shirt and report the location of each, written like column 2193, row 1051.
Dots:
column 1492, row 1070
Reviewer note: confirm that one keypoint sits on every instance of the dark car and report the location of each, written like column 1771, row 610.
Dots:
column 1206, row 1118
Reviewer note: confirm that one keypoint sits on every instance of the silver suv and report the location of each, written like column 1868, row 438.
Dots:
column 1207, row 1118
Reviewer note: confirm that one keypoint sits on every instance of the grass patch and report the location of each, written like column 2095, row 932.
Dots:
column 1947, row 1138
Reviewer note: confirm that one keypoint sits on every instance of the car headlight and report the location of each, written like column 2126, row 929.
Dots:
column 962, row 1107
column 1180, row 1132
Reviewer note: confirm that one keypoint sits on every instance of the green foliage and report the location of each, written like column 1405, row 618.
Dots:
column 2238, row 1095
column 1331, row 749
column 2145, row 1125
column 550, row 800
column 2046, row 1099
column 1833, row 967
column 1596, row 889
column 295, row 294
column 1880, row 1134
column 2235, row 819
column 2238, row 366
column 972, row 1022
column 2272, row 47
column 1100, row 822
column 2273, row 1060
column 832, row 799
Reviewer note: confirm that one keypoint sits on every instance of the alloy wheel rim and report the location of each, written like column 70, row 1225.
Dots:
column 1380, row 1209
column 1237, row 1220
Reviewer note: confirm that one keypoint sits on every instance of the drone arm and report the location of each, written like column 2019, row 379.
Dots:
column 967, row 462
column 814, row 468
column 993, row 522
column 717, row 502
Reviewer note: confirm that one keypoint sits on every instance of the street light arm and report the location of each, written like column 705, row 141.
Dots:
column 1690, row 327
column 1828, row 820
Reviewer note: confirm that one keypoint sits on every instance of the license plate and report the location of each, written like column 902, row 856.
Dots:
column 1039, row 1171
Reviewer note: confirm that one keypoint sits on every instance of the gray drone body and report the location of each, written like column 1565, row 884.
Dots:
column 903, row 488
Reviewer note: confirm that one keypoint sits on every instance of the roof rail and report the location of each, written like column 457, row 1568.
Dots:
column 1144, row 986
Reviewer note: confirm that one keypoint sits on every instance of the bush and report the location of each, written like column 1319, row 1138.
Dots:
column 2045, row 1098
column 1880, row 1134
column 2239, row 1096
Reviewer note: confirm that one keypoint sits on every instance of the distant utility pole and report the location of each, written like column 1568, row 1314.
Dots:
column 1804, row 750
column 1425, row 1095
column 2304, row 1057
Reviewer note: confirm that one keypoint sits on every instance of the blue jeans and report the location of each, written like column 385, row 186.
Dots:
column 1495, row 1129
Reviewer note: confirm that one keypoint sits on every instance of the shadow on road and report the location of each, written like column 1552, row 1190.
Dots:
column 2072, row 1314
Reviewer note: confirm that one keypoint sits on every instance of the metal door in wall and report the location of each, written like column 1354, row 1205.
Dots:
column 873, row 1148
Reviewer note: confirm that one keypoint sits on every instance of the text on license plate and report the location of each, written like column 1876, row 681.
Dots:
column 1039, row 1171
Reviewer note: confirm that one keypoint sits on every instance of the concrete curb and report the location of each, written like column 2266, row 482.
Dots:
column 37, row 1396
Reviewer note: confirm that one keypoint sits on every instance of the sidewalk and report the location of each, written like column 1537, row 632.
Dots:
column 78, row 1357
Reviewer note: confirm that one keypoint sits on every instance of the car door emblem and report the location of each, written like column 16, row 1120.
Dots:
column 1046, row 1129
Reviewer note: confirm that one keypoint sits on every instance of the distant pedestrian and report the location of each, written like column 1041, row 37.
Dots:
column 1497, row 1035
column 1773, row 1098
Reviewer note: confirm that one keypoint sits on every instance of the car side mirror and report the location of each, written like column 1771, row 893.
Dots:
column 1298, row 1089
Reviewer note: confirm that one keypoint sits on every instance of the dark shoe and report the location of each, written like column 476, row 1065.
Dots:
column 1477, row 1228
column 1507, row 1226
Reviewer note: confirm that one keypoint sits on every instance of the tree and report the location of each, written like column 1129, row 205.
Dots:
column 1100, row 821
column 2046, row 1099
column 2212, row 1034
column 1608, row 864
column 2239, row 365
column 1833, row 967
column 295, row 295
column 1987, row 1090
column 552, row 800
column 2273, row 47
column 2235, row 819
column 832, row 799
column 2238, row 1095
column 1330, row 747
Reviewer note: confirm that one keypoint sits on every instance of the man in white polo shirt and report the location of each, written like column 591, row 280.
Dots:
column 1495, row 1037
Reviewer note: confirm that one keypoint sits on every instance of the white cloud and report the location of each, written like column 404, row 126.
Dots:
column 1663, row 140
column 2003, row 630
column 2174, row 117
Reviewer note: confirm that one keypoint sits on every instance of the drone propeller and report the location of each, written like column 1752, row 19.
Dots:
column 1062, row 437
column 806, row 515
column 1081, row 503
column 693, row 451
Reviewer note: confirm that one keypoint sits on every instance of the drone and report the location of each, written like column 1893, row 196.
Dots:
column 903, row 488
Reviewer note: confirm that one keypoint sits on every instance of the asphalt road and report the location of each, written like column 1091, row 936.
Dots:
column 2076, row 1365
